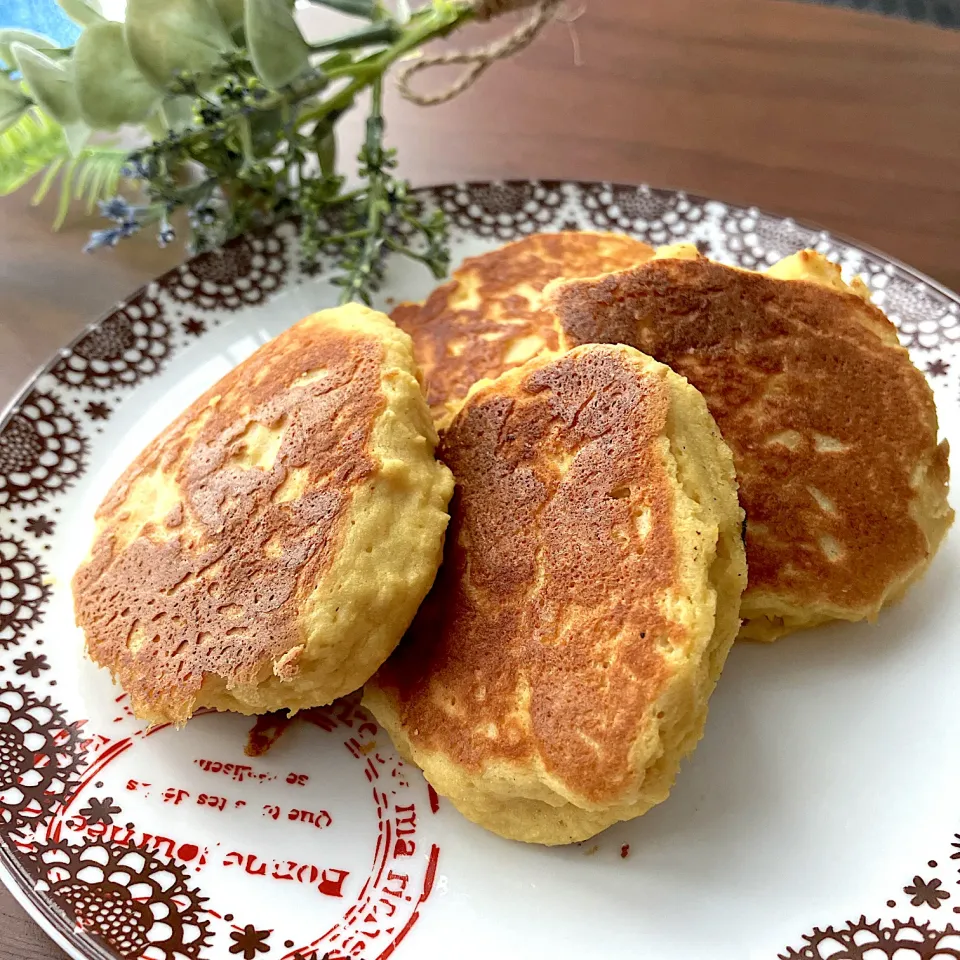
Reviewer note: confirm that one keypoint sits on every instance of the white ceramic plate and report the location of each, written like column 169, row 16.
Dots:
column 818, row 818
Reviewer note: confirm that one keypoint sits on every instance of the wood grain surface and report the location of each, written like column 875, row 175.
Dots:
column 848, row 120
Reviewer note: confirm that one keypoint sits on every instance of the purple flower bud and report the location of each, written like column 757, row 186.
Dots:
column 102, row 238
column 116, row 209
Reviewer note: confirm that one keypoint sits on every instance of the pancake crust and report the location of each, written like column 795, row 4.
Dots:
column 490, row 316
column 832, row 428
column 561, row 666
column 270, row 547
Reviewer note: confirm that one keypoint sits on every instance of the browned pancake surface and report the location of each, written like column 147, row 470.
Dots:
column 825, row 415
column 513, row 655
column 490, row 317
column 214, row 588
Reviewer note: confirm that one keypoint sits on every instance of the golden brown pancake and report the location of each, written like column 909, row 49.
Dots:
column 490, row 317
column 832, row 428
column 561, row 666
column 270, row 547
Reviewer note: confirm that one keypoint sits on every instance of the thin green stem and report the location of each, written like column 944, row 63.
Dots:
column 352, row 235
column 354, row 8
column 351, row 68
column 376, row 199
column 398, row 247
column 347, row 197
column 375, row 33
column 422, row 28
column 151, row 214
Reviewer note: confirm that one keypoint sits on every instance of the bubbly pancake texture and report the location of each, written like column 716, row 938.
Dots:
column 832, row 428
column 270, row 547
column 561, row 666
column 490, row 317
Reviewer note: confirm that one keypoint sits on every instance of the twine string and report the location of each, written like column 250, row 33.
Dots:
column 478, row 60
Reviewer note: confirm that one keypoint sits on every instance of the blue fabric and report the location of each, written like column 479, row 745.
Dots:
column 943, row 13
column 43, row 16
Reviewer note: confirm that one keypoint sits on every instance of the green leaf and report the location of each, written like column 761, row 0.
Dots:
column 97, row 183
column 14, row 103
column 111, row 90
column 277, row 48
column 28, row 38
column 85, row 173
column 174, row 36
column 156, row 124
column 76, row 133
column 66, row 192
column 83, row 12
column 177, row 113
column 93, row 175
column 27, row 147
column 50, row 83
column 35, row 145
column 50, row 174
column 231, row 13
column 98, row 176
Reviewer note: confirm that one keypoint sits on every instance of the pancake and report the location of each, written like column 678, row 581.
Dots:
column 561, row 666
column 490, row 318
column 832, row 428
column 269, row 548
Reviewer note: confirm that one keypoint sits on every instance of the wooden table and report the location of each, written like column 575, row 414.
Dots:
column 844, row 119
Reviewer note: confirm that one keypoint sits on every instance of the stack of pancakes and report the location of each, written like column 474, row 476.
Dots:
column 630, row 432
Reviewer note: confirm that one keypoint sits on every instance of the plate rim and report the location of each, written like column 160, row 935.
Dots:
column 8, row 408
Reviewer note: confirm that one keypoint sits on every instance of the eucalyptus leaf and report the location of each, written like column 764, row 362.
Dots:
column 13, row 103
column 156, row 124
column 11, row 87
column 110, row 87
column 76, row 134
column 11, row 35
column 174, row 36
column 83, row 12
column 50, row 83
column 177, row 113
column 231, row 13
column 277, row 48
